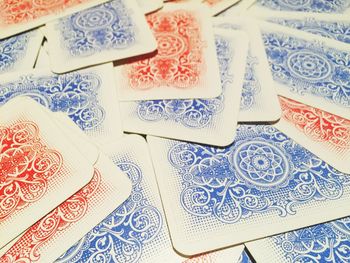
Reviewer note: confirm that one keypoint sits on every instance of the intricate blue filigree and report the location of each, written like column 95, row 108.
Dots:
column 74, row 94
column 12, row 50
column 122, row 235
column 262, row 171
column 309, row 67
column 251, row 85
column 336, row 30
column 329, row 242
column 244, row 258
column 104, row 27
column 318, row 6
column 196, row 113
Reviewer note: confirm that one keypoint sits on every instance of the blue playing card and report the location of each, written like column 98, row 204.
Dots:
column 19, row 52
column 258, row 100
column 333, row 27
column 317, row 6
column 85, row 96
column 309, row 68
column 108, row 32
column 264, row 183
column 107, row 26
column 323, row 243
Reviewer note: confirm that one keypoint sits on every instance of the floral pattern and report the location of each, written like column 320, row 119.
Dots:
column 309, row 68
column 327, row 242
column 73, row 93
column 26, row 167
column 196, row 113
column 262, row 171
column 107, row 26
column 122, row 235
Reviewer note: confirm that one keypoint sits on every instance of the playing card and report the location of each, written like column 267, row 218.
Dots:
column 62, row 227
column 211, row 121
column 87, row 96
column 308, row 68
column 19, row 52
column 259, row 101
column 323, row 133
column 40, row 168
column 21, row 15
column 218, row 6
column 322, row 243
column 185, row 65
column 327, row 25
column 263, row 184
column 112, row 31
column 238, row 8
column 244, row 258
column 125, row 238
column 315, row 6
column 149, row 6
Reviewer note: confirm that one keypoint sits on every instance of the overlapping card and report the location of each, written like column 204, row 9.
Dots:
column 246, row 117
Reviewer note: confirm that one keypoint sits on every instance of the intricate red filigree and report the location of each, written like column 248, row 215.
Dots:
column 317, row 124
column 26, row 166
column 179, row 61
column 19, row 11
column 26, row 249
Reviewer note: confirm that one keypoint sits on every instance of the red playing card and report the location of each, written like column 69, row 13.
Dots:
column 179, row 62
column 27, row 165
column 317, row 124
column 56, row 232
column 19, row 11
column 325, row 134
column 26, row 249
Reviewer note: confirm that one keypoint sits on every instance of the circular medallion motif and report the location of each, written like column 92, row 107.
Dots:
column 309, row 66
column 170, row 45
column 261, row 164
column 94, row 19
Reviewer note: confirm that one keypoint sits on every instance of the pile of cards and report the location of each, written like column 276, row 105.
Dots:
column 175, row 131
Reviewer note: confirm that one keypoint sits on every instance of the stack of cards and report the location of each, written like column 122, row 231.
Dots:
column 174, row 131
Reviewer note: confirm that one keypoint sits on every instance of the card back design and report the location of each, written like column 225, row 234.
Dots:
column 27, row 248
column 26, row 167
column 179, row 61
column 251, row 85
column 327, row 242
column 318, row 6
column 105, row 27
column 309, row 68
column 196, row 113
column 338, row 30
column 122, row 236
column 12, row 49
column 317, row 124
column 73, row 93
column 262, row 172
column 20, row 11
